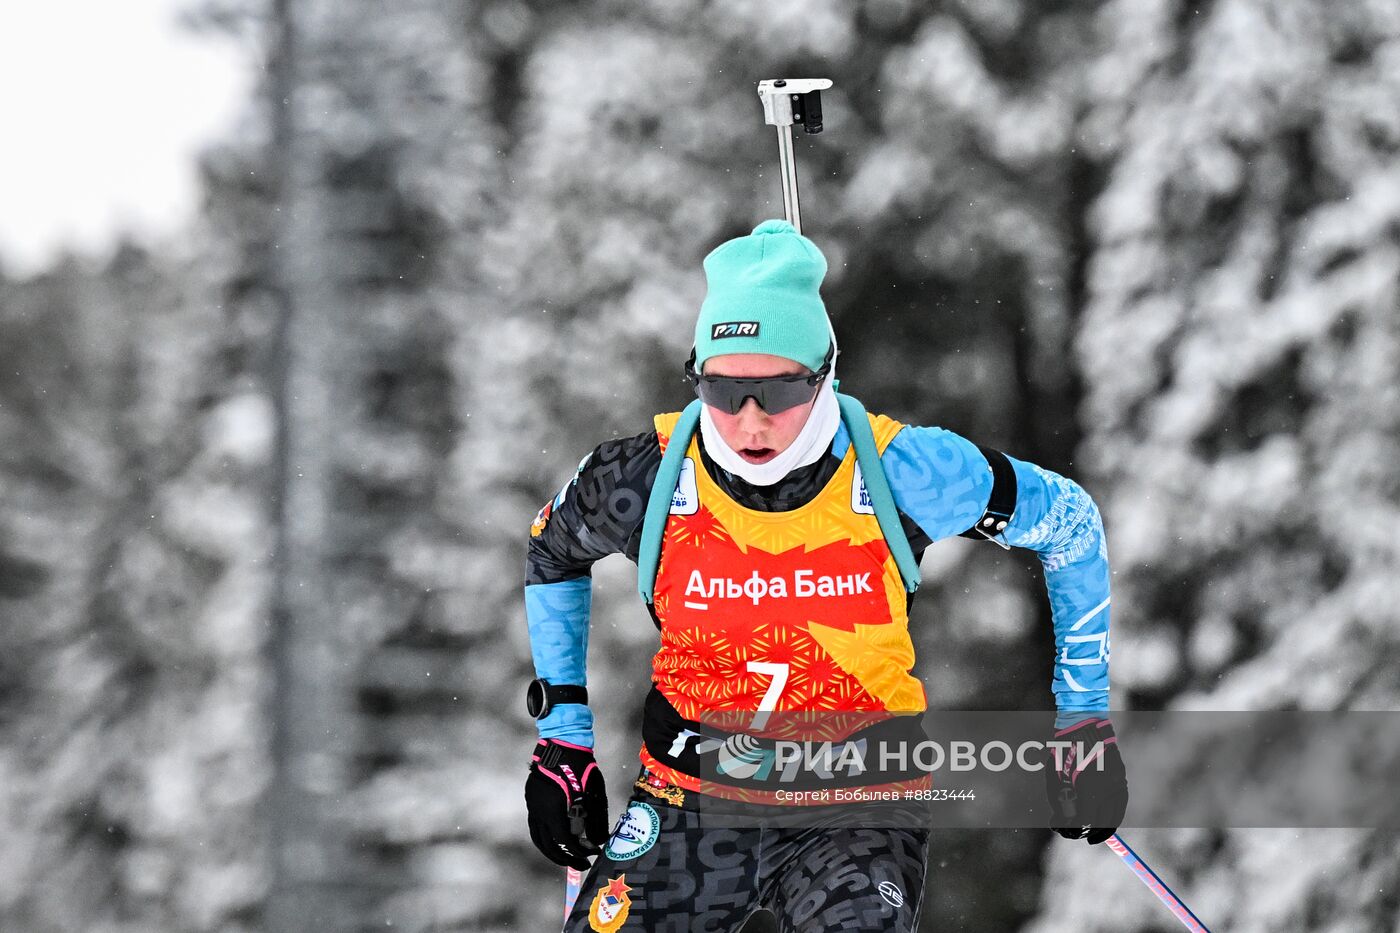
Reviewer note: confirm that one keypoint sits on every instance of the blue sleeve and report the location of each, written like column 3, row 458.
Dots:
column 598, row 512
column 942, row 481
column 938, row 478
column 1058, row 520
column 558, row 614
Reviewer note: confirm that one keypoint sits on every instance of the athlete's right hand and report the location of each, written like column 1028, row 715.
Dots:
column 566, row 802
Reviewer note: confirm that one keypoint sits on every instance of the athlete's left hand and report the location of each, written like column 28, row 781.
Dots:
column 566, row 803
column 1088, row 795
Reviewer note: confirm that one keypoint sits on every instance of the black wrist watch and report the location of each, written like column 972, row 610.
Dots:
column 542, row 696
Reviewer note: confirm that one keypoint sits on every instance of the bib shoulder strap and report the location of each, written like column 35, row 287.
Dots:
column 868, row 456
column 675, row 435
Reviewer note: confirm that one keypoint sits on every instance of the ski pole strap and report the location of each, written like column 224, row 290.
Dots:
column 878, row 488
column 659, row 502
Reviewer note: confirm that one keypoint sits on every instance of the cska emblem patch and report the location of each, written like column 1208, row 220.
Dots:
column 610, row 906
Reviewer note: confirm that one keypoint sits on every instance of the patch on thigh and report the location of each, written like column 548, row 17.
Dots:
column 636, row 832
column 610, row 906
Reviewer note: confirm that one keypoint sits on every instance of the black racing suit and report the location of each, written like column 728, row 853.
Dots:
column 696, row 873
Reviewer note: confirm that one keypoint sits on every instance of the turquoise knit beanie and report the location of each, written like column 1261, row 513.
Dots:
column 764, row 297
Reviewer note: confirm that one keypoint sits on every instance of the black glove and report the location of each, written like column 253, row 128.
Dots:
column 567, row 803
column 1086, row 801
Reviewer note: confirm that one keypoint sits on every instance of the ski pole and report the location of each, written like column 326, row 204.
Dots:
column 787, row 101
column 573, row 878
column 1156, row 885
column 573, row 881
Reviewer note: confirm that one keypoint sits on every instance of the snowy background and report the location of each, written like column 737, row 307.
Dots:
column 272, row 431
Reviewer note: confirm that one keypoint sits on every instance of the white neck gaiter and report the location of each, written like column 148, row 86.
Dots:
column 811, row 444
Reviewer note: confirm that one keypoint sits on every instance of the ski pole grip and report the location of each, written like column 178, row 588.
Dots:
column 1067, row 802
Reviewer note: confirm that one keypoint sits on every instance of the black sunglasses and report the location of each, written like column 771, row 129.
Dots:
column 772, row 393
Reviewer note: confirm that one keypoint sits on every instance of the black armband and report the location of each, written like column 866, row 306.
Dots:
column 1001, row 505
